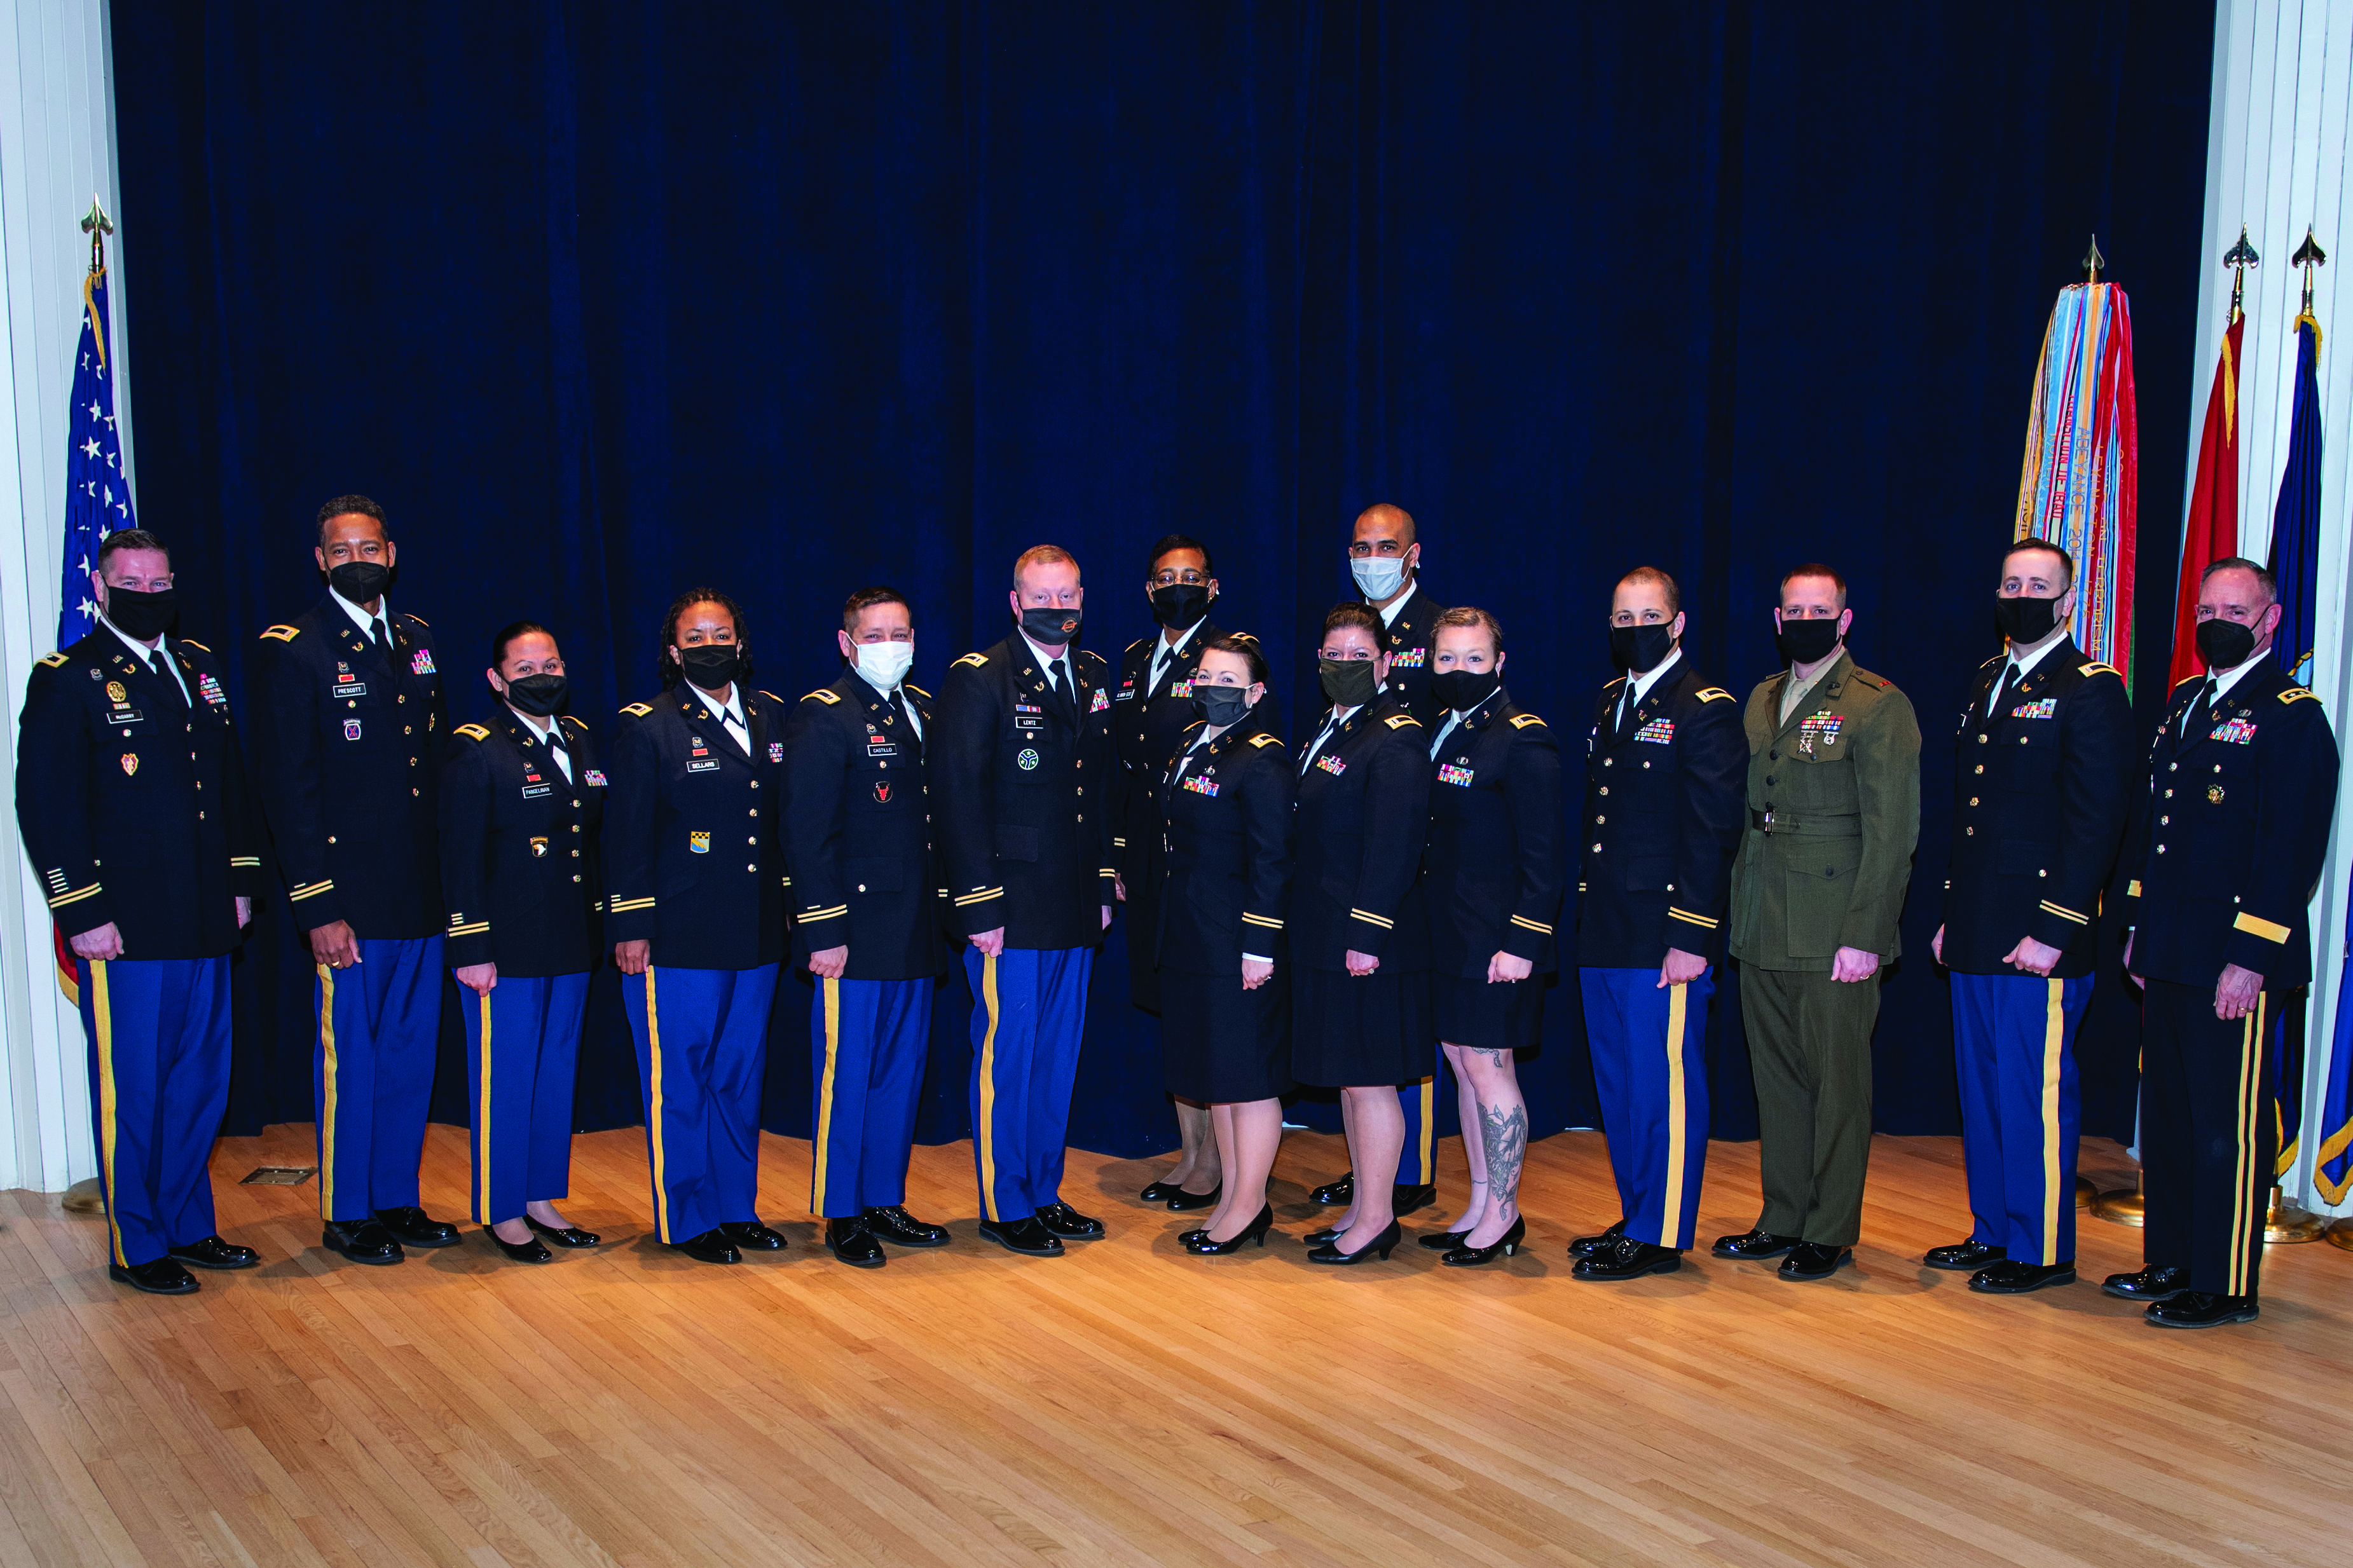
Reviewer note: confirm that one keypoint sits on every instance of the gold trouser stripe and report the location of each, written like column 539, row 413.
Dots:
column 2242, row 1209
column 654, row 1109
column 2054, row 1039
column 986, row 1130
column 825, row 1095
column 101, row 1018
column 483, row 1215
column 328, row 1098
column 1428, row 1126
column 1670, row 1219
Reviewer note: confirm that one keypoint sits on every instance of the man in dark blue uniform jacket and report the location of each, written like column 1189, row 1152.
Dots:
column 1024, row 767
column 352, row 721
column 2040, row 788
column 857, row 840
column 1664, row 767
column 2229, row 838
column 132, row 798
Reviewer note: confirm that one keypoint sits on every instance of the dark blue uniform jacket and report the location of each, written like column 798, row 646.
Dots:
column 858, row 833
column 1146, row 721
column 1364, row 813
column 132, row 803
column 1228, row 821
column 1492, row 868
column 519, row 850
column 1409, row 640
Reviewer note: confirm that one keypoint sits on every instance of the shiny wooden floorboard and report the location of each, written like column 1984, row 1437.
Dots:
column 1128, row 1405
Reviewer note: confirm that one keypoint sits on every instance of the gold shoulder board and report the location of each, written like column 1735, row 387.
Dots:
column 824, row 695
column 1266, row 739
column 916, row 689
column 1402, row 722
column 1137, row 643
column 53, row 660
column 1713, row 694
column 195, row 644
column 1522, row 720
column 2193, row 680
column 282, row 633
column 2299, row 694
column 1994, row 660
column 420, row 620
column 638, row 710
column 974, row 660
column 473, row 731
column 2096, row 668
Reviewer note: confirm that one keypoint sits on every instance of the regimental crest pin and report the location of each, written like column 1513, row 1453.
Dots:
column 699, row 842
column 130, row 762
column 115, row 693
column 350, row 729
column 2214, row 795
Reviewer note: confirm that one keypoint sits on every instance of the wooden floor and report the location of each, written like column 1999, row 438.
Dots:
column 1129, row 1405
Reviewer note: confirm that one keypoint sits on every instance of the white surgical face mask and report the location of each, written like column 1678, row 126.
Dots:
column 1378, row 576
column 882, row 665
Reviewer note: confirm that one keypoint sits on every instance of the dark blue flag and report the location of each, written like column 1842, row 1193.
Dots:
column 2296, row 520
column 98, row 497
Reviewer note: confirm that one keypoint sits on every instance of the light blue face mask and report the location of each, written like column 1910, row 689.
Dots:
column 882, row 665
column 1378, row 576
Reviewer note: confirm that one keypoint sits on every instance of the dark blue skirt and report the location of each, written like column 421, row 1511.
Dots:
column 1221, row 1045
column 1353, row 1032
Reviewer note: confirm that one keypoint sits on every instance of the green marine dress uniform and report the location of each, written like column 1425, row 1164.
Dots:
column 1833, row 814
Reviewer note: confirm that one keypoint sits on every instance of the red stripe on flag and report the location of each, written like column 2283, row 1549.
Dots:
column 2212, row 528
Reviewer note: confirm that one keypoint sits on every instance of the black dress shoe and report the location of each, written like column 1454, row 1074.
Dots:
column 212, row 1252
column 1161, row 1192
column 1070, row 1223
column 162, row 1277
column 412, row 1226
column 1755, row 1244
column 1336, row 1195
column 851, row 1241
column 361, row 1241
column 1381, row 1247
column 894, row 1225
column 1027, row 1237
column 711, row 1247
column 1469, row 1257
column 1812, row 1260
column 2149, row 1285
column 2203, row 1309
column 1184, row 1202
column 1587, row 1246
column 1440, row 1241
column 1964, row 1256
column 752, row 1235
column 1203, row 1247
column 1324, row 1237
column 2011, row 1278
column 570, row 1235
column 1407, row 1197
column 529, row 1251
column 1627, row 1258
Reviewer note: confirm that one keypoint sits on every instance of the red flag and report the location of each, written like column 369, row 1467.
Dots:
column 68, row 975
column 2213, row 531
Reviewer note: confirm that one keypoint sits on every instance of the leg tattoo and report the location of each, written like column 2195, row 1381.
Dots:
column 1505, row 1135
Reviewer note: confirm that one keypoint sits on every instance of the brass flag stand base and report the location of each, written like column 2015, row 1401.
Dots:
column 2287, row 1224
column 2341, row 1233
column 2123, row 1206
column 85, row 1196
column 2086, row 1194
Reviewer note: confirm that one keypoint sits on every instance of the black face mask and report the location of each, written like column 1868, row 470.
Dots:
column 2224, row 645
column 1179, row 604
column 360, row 581
column 2024, row 620
column 1641, row 648
column 1348, row 682
column 142, row 616
column 1464, row 689
column 538, row 695
column 1809, row 642
column 1220, row 705
column 1048, row 627
column 711, row 665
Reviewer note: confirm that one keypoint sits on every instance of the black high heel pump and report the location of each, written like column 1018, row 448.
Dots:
column 1381, row 1247
column 1198, row 1244
column 1468, row 1256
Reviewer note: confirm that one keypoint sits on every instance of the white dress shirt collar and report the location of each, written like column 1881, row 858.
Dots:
column 361, row 618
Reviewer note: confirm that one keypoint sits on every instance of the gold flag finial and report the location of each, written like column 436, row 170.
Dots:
column 98, row 226
column 2309, row 256
column 2094, row 261
column 2238, row 258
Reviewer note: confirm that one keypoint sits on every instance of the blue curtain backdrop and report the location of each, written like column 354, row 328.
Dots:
column 601, row 300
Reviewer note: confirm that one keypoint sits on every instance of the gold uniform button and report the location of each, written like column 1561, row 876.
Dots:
column 575, row 854
column 413, row 790
column 861, row 887
column 1605, row 789
column 404, row 697
column 2164, row 821
column 1981, row 740
column 753, row 841
column 575, row 827
column 2160, row 848
column 1973, row 800
column 751, row 867
column 576, row 876
column 1599, row 820
column 1608, row 762
column 1596, row 849
column 755, row 783
column 405, row 728
column 1971, row 832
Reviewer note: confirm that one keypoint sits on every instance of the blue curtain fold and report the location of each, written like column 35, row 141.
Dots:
column 603, row 299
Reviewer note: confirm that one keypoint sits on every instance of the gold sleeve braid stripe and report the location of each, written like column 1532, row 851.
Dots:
column 978, row 896
column 75, row 897
column 1269, row 921
column 1691, row 919
column 1537, row 926
column 2065, row 913
column 809, row 917
column 624, row 906
column 245, row 859
column 476, row 929
column 2270, row 930
column 2132, row 888
column 310, row 891
column 1371, row 919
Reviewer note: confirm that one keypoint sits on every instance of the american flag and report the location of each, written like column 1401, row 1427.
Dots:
column 98, row 498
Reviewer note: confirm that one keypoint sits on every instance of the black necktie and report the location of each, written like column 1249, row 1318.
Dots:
column 2199, row 711
column 382, row 638
column 163, row 668
column 1062, row 686
column 898, row 702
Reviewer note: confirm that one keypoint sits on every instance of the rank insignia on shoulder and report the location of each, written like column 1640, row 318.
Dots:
column 1713, row 694
column 825, row 695
column 1522, row 720
column 1264, row 741
column 281, row 633
column 638, row 710
column 2096, row 668
column 974, row 660
column 53, row 660
column 1402, row 722
column 474, row 732
column 2299, row 694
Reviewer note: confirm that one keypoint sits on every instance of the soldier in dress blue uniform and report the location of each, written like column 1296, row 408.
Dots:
column 1664, row 767
column 131, row 797
column 1151, row 707
column 1359, row 941
column 2229, row 839
column 857, row 840
column 1384, row 560
column 1024, row 765
column 2040, row 790
column 1491, row 876
column 695, row 908
column 352, row 722
column 521, row 803
column 1225, row 806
